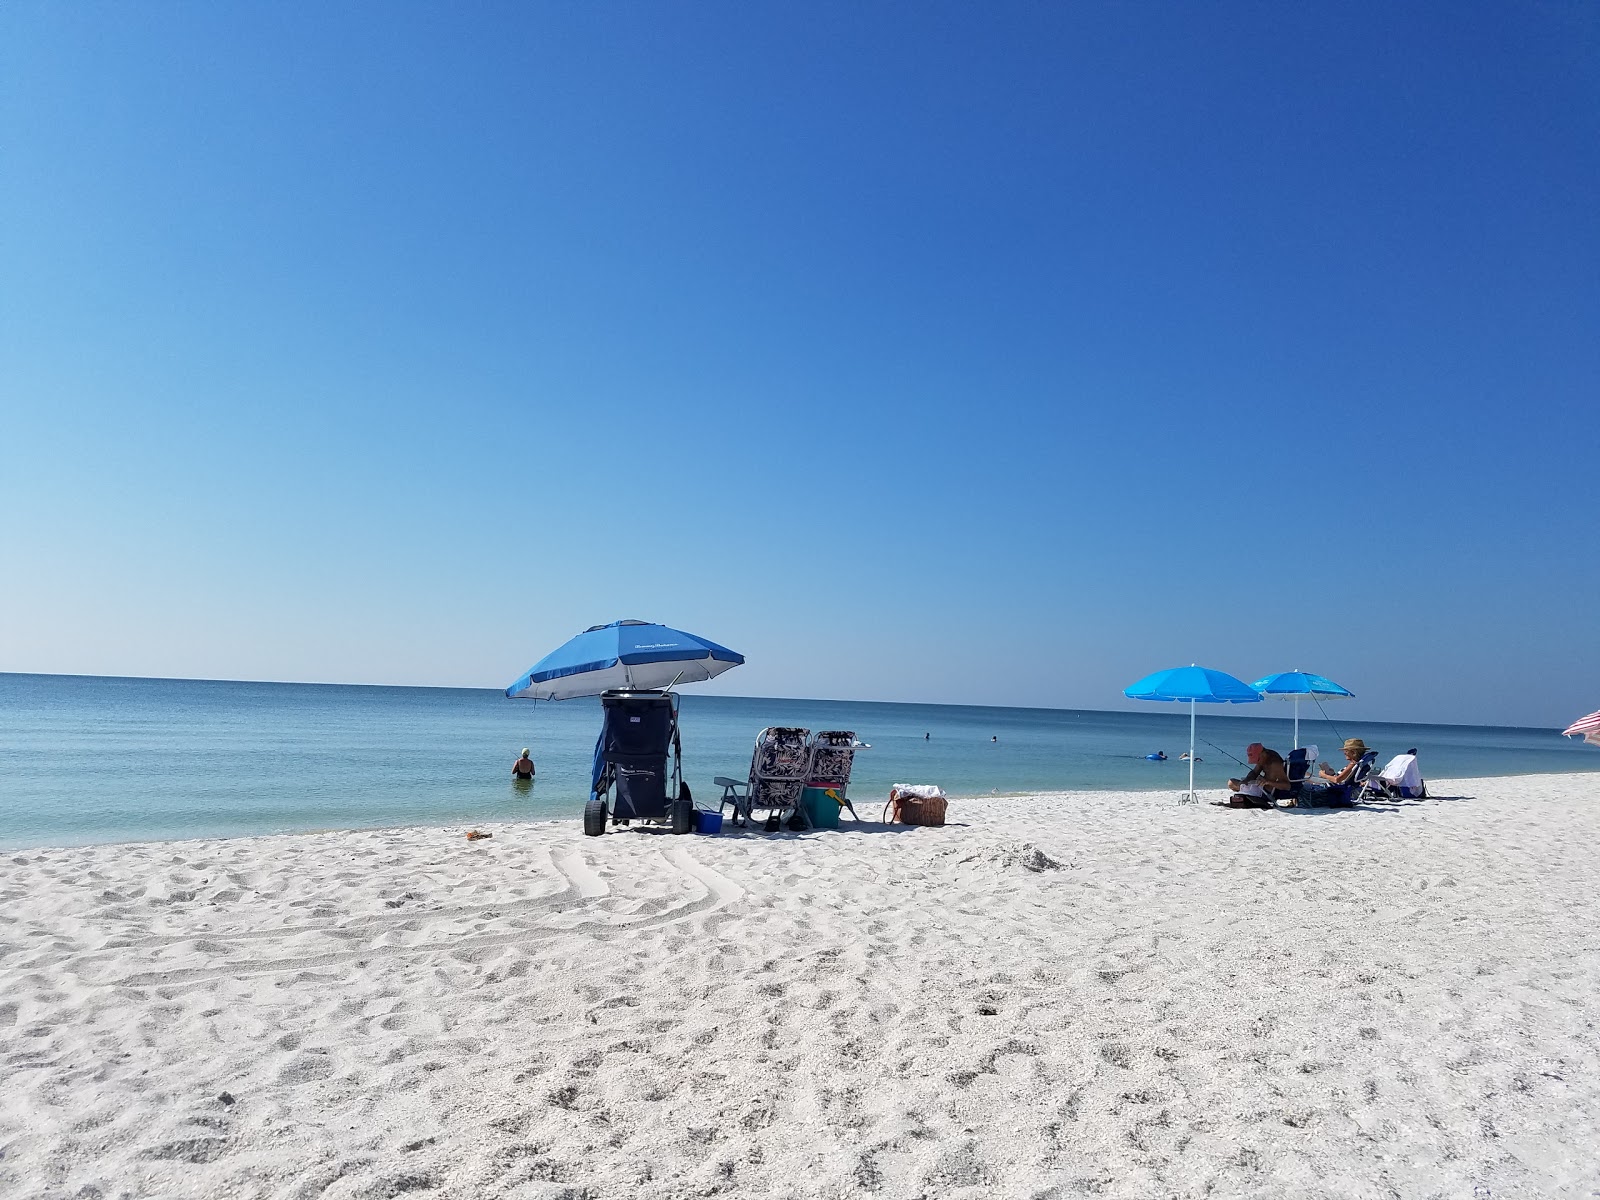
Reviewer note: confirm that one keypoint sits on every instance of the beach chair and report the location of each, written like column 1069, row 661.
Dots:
column 1314, row 793
column 778, row 766
column 735, row 795
column 1352, row 790
column 1400, row 779
column 631, row 779
column 832, row 754
column 1298, row 764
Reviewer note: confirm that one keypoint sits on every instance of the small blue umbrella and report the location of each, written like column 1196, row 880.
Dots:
column 1193, row 685
column 1291, row 685
column 623, row 654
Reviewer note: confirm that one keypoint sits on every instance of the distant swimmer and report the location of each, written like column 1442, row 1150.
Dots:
column 523, row 767
column 1184, row 757
column 995, row 738
column 926, row 736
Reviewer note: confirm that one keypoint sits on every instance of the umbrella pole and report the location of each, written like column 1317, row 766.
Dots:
column 1191, row 797
column 1296, row 745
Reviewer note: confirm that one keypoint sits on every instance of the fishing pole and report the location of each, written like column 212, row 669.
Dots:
column 1223, row 752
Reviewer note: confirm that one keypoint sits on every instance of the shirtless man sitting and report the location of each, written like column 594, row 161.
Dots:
column 1267, row 779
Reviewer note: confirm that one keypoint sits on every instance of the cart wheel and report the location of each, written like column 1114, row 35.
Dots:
column 594, row 817
column 682, row 816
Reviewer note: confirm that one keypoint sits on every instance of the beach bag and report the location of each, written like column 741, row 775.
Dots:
column 915, row 804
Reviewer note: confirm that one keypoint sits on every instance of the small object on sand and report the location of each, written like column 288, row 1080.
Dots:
column 227, row 1099
column 473, row 835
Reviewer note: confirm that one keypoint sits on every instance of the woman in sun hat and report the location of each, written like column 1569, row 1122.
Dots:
column 1333, row 789
column 1354, row 750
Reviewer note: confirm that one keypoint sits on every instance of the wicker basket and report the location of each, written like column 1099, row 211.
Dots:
column 914, row 810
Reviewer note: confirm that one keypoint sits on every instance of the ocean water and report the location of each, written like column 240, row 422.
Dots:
column 105, row 760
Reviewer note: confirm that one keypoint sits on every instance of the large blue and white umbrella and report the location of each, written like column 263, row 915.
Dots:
column 1291, row 685
column 623, row 654
column 1193, row 685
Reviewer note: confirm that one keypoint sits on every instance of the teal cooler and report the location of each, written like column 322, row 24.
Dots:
column 822, row 808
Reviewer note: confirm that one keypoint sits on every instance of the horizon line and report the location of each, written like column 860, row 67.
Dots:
column 1217, row 710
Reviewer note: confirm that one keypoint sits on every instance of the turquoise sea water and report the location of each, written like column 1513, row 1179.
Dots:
column 99, row 760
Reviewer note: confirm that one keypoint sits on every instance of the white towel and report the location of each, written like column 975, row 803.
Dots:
column 1403, row 772
column 918, row 791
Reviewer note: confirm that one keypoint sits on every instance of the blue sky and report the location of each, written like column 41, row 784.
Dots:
column 992, row 354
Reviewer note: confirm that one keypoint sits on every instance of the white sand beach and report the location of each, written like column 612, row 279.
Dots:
column 1095, row 994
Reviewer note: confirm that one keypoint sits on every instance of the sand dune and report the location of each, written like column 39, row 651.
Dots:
column 1088, row 994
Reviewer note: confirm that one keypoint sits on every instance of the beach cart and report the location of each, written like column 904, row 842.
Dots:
column 638, row 765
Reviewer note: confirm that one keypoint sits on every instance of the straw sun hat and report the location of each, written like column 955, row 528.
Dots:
column 1355, row 744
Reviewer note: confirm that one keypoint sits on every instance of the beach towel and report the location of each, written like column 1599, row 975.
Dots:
column 1403, row 775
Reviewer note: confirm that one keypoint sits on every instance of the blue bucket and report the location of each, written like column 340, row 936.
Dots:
column 707, row 822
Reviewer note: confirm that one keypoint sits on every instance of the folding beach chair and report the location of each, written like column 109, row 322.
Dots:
column 1314, row 793
column 778, row 766
column 832, row 754
column 1352, row 790
column 1298, row 763
column 1400, row 779
column 735, row 795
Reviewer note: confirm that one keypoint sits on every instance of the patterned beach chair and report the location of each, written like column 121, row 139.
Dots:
column 778, row 766
column 833, row 753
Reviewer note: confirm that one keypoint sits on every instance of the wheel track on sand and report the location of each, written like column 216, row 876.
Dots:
column 571, row 889
column 583, row 886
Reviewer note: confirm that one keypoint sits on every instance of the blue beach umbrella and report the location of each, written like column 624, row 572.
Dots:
column 1193, row 685
column 623, row 654
column 1291, row 685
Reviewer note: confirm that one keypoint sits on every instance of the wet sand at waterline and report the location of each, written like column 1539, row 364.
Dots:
column 1095, row 993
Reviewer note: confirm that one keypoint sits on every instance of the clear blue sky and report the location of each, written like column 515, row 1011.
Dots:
column 983, row 353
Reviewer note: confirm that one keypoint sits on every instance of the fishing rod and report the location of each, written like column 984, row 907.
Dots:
column 1223, row 752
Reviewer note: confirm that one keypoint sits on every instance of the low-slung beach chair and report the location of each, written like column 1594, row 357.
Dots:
column 1298, row 765
column 1316, row 793
column 1400, row 779
column 735, row 795
column 1352, row 790
column 778, row 766
column 832, row 755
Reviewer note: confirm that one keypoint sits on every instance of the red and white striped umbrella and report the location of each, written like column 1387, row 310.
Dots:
column 1588, row 727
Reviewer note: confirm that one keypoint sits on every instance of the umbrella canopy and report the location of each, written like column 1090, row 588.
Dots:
column 1193, row 685
column 1299, row 683
column 1200, row 685
column 623, row 654
column 1586, row 727
column 1291, row 685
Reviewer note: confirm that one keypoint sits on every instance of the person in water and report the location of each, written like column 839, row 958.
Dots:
column 1267, row 779
column 1160, row 756
column 995, row 738
column 523, row 767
